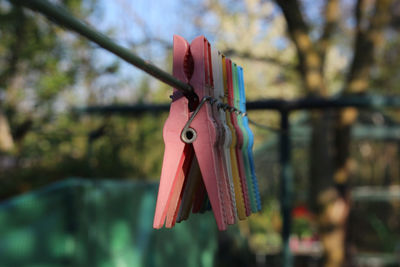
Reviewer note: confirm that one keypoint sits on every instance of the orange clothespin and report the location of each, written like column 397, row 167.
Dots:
column 192, row 131
column 240, row 204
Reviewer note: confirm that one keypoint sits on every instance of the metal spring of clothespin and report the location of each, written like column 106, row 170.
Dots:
column 188, row 134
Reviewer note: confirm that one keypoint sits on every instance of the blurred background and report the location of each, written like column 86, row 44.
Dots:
column 79, row 189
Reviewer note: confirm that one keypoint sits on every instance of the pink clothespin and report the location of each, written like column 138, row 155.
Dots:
column 176, row 152
column 192, row 131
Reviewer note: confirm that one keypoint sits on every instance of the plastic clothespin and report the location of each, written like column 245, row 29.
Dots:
column 199, row 134
column 227, row 134
column 245, row 155
column 242, row 102
column 229, row 197
column 239, row 194
column 239, row 134
column 176, row 152
column 204, row 127
column 224, row 179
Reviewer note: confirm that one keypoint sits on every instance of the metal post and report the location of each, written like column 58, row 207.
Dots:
column 286, row 187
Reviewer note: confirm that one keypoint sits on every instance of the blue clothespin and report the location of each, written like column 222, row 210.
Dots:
column 251, row 138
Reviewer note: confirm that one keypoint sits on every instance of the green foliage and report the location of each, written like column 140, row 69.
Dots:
column 114, row 147
column 42, row 68
column 264, row 229
column 50, row 85
column 302, row 227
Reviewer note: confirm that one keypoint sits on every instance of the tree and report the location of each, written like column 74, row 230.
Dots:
column 317, row 53
column 329, row 194
column 36, row 66
column 45, row 73
column 39, row 68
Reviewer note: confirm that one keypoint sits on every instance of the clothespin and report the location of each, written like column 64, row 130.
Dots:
column 239, row 194
column 227, row 134
column 208, row 162
column 199, row 134
column 236, row 100
column 229, row 197
column 239, row 140
column 250, row 143
column 176, row 152
column 221, row 163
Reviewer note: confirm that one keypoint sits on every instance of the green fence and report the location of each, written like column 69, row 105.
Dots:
column 80, row 222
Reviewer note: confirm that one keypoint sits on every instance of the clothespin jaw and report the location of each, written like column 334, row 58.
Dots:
column 192, row 185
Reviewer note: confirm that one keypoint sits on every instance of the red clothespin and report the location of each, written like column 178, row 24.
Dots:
column 186, row 131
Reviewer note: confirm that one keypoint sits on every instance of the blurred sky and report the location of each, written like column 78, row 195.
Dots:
column 133, row 21
column 130, row 22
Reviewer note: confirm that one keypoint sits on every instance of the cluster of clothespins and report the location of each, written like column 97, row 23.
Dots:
column 208, row 161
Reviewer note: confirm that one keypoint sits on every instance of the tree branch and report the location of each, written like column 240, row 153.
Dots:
column 265, row 59
column 368, row 38
column 331, row 20
column 18, row 19
column 309, row 58
column 366, row 42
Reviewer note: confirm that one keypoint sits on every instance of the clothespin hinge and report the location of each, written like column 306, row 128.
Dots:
column 188, row 134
